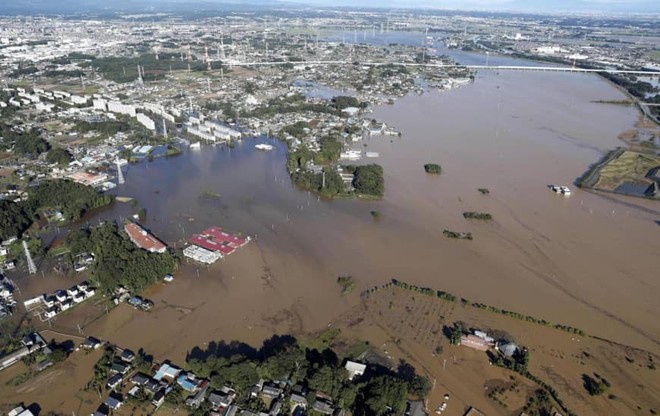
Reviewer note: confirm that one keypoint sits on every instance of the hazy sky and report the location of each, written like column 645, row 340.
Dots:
column 591, row 6
column 541, row 5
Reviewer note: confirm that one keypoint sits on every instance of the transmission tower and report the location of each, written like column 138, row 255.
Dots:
column 120, row 174
column 32, row 268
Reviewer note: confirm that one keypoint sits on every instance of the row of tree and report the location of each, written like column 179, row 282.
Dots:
column 465, row 302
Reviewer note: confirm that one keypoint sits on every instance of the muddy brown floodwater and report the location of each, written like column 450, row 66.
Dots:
column 588, row 260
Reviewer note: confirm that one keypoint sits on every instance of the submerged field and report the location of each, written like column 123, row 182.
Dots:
column 588, row 261
column 403, row 324
column 626, row 172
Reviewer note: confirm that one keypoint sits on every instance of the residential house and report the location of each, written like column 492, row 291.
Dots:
column 51, row 312
column 298, row 400
column 198, row 398
column 20, row 411
column 60, row 296
column 120, row 367
column 140, row 379
column 168, row 371
column 113, row 402
column 231, row 410
column 134, row 391
column 127, row 356
column 475, row 342
column 355, row 369
column 323, row 407
column 275, row 407
column 114, row 381
column 271, row 391
column 152, row 386
column 91, row 343
column 159, row 398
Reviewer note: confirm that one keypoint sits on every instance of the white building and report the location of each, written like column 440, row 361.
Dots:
column 201, row 254
column 117, row 107
column 354, row 369
column 100, row 104
column 146, row 121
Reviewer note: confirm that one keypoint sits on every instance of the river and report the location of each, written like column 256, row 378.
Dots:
column 586, row 260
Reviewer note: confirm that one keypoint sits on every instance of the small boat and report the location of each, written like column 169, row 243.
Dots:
column 560, row 189
column 195, row 145
column 264, row 147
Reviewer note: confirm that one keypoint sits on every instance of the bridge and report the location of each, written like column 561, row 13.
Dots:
column 453, row 66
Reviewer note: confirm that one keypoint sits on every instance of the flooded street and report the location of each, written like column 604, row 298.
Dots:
column 588, row 260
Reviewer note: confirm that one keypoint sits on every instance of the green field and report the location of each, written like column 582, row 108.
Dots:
column 629, row 166
column 655, row 55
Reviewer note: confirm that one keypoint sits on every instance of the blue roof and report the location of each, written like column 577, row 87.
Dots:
column 112, row 402
column 166, row 370
column 135, row 300
column 186, row 383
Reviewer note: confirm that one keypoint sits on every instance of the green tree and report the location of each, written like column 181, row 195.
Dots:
column 369, row 180
column 59, row 155
column 385, row 395
column 30, row 143
column 433, row 168
column 420, row 386
column 15, row 218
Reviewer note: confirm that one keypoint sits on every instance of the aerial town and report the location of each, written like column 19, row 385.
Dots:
column 271, row 211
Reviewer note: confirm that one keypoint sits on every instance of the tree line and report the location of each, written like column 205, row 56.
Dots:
column 452, row 298
column 71, row 198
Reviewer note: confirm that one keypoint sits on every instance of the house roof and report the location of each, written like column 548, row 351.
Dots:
column 509, row 349
column 139, row 378
column 323, row 407
column 297, row 398
column 167, row 370
column 415, row 408
column 127, row 354
column 113, row 402
column 356, row 368
column 114, row 379
column 215, row 398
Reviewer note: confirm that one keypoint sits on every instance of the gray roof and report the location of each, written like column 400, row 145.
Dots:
column 140, row 379
column 271, row 391
column 113, row 402
column 415, row 408
column 215, row 398
column 633, row 188
column 323, row 407
column 112, row 381
column 298, row 398
column 509, row 349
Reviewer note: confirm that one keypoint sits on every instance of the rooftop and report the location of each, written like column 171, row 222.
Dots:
column 141, row 238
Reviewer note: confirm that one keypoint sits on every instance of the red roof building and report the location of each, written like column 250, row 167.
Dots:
column 217, row 240
column 141, row 238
